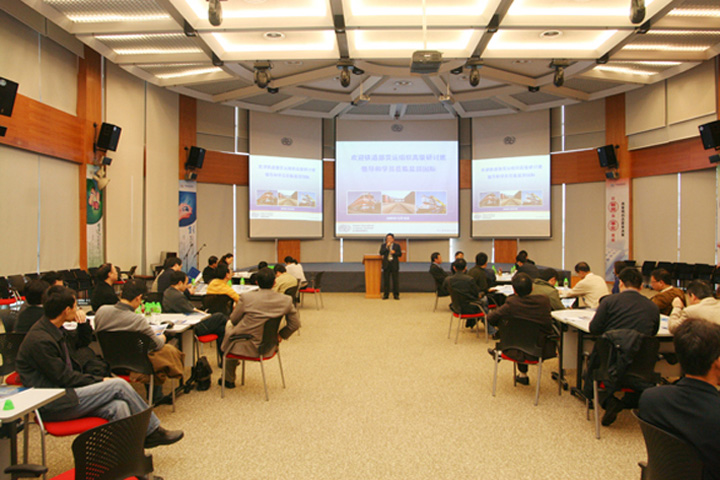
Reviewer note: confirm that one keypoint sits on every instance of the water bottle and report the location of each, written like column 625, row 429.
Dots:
column 512, row 269
column 242, row 281
column 566, row 284
column 494, row 269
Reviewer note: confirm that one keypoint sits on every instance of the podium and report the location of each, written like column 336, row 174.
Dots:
column 373, row 275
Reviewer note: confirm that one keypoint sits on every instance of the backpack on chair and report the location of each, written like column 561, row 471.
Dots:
column 201, row 373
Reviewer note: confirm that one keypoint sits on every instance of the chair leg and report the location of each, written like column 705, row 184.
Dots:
column 222, row 381
column 262, row 370
column 242, row 380
column 282, row 375
column 597, row 409
column 436, row 302
column 457, row 331
column 537, row 387
column 514, row 374
column 172, row 386
column 487, row 326
column 322, row 304
column 451, row 322
column 317, row 301
column 150, row 391
column 495, row 371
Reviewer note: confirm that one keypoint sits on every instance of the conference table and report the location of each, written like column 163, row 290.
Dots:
column 201, row 289
column 16, row 403
column 575, row 331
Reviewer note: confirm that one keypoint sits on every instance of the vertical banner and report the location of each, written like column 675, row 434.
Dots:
column 617, row 204
column 187, row 216
column 95, row 199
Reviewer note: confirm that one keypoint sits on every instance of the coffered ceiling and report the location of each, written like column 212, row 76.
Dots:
column 513, row 44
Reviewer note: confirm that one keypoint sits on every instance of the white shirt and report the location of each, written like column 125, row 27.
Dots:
column 590, row 290
column 296, row 270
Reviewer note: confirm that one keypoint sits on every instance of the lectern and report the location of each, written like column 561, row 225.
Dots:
column 373, row 275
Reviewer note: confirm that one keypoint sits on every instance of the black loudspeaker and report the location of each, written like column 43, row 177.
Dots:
column 710, row 134
column 108, row 137
column 196, row 157
column 8, row 91
column 606, row 155
column 714, row 158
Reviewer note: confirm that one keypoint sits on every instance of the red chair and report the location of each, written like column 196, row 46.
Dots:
column 482, row 316
column 268, row 349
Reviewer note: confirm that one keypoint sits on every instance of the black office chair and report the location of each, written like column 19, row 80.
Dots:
column 9, row 346
column 9, row 319
column 292, row 292
column 127, row 352
column 85, row 281
column 112, row 451
column 217, row 303
column 669, row 458
column 481, row 316
column 639, row 375
column 647, row 267
column 17, row 283
column 702, row 271
column 314, row 288
column 269, row 347
column 524, row 342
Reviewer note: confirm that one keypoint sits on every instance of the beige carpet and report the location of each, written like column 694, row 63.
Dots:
column 376, row 390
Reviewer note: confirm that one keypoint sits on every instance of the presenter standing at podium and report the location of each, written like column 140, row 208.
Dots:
column 390, row 252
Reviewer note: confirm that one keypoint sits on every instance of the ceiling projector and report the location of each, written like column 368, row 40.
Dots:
column 426, row 61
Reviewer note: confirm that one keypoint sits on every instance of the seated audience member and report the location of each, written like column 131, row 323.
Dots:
column 219, row 284
column 283, row 280
column 44, row 361
column 482, row 260
column 253, row 277
column 523, row 254
column 438, row 274
column 172, row 264
column 459, row 254
column 227, row 259
column 523, row 265
column 617, row 268
column 545, row 285
column 174, row 301
column 209, row 271
column 627, row 310
column 295, row 269
column 53, row 279
column 104, row 292
column 701, row 304
column 524, row 306
column 661, row 281
column 690, row 409
column 249, row 316
column 464, row 291
column 27, row 317
column 167, row 360
column 591, row 288
column 478, row 273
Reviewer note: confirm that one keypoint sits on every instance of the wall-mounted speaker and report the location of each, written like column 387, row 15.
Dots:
column 714, row 158
column 8, row 91
column 108, row 137
column 710, row 134
column 196, row 157
column 606, row 155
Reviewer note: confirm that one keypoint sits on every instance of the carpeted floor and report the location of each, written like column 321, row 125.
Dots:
column 376, row 390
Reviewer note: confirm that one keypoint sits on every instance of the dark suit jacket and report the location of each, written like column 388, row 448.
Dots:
column 393, row 265
column 439, row 276
column 531, row 308
column 530, row 269
column 103, row 294
column 628, row 309
column 690, row 410
column 464, row 292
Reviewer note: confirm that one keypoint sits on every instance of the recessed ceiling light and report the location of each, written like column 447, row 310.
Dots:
column 274, row 35
column 403, row 83
column 521, row 61
column 550, row 33
column 293, row 63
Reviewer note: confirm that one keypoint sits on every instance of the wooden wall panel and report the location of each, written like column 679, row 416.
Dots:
column 224, row 168
column 576, row 167
column 465, row 172
column 681, row 156
column 39, row 128
column 288, row 247
column 505, row 250
column 187, row 131
column 328, row 175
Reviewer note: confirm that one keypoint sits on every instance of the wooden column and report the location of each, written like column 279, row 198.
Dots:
column 187, row 131
column 288, row 247
column 89, row 112
column 615, row 135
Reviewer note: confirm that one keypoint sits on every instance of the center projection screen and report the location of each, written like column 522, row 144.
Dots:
column 285, row 197
column 511, row 197
column 409, row 188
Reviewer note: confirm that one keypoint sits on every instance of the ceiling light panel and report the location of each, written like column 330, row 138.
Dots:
column 236, row 46
column 570, row 44
column 381, row 13
column 179, row 70
column 402, row 43
column 675, row 41
column 102, row 11
column 576, row 13
column 270, row 14
column 149, row 44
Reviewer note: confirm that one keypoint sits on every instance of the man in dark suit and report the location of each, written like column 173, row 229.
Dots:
column 523, row 306
column 438, row 274
column 465, row 294
column 524, row 265
column 690, row 409
column 390, row 252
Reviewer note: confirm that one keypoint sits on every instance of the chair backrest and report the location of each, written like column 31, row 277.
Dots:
column 642, row 368
column 17, row 282
column 523, row 335
column 5, row 288
column 270, row 335
column 215, row 303
column 669, row 458
column 293, row 292
column 9, row 319
column 126, row 351
column 114, row 450
column 317, row 279
column 9, row 346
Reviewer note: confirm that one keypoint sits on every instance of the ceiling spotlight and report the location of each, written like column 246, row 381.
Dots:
column 637, row 11
column 559, row 66
column 215, row 13
column 474, row 77
column 457, row 71
column 262, row 74
column 273, row 90
column 533, row 89
column 358, row 71
column 345, row 77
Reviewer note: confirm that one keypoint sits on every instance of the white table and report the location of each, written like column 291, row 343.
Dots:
column 201, row 289
column 23, row 402
column 505, row 277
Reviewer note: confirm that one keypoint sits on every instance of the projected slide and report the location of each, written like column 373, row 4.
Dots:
column 511, row 197
column 407, row 188
column 285, row 197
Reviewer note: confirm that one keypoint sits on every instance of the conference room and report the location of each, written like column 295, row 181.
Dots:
column 312, row 129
